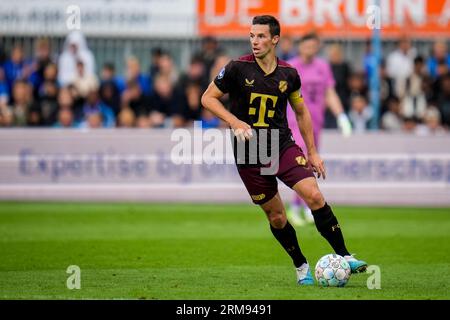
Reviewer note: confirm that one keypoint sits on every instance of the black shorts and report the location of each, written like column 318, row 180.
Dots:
column 292, row 168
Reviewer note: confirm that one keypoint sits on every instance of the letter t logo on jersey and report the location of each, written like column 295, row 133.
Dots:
column 262, row 108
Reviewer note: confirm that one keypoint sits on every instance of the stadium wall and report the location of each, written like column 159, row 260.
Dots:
column 137, row 165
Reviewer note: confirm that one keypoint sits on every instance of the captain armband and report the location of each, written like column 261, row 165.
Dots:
column 296, row 97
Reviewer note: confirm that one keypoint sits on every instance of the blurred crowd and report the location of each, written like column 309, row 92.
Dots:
column 67, row 92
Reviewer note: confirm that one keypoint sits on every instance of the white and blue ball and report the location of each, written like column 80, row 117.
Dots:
column 332, row 270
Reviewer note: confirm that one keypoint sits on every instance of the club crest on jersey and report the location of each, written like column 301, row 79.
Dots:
column 301, row 161
column 282, row 86
column 221, row 73
column 249, row 83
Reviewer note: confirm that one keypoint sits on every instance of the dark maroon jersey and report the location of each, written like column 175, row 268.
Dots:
column 260, row 100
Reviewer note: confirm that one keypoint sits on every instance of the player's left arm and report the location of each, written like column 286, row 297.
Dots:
column 335, row 105
column 306, row 129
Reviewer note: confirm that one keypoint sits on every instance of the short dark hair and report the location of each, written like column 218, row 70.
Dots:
column 109, row 66
column 419, row 60
column 271, row 21
column 310, row 36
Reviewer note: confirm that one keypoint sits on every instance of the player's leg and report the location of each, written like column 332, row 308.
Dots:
column 299, row 212
column 325, row 220
column 263, row 190
column 286, row 236
column 298, row 174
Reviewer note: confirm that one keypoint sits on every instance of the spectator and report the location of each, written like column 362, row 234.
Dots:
column 410, row 125
column 93, row 120
column 154, row 64
column 400, row 63
column 40, row 63
column 411, row 92
column 134, row 75
column 209, row 52
column 195, row 73
column 191, row 105
column 167, row 69
column 126, row 118
column 84, row 82
column 386, row 88
column 143, row 122
column 48, row 104
column 392, row 119
column 65, row 99
column 439, row 55
column 442, row 72
column 357, row 86
column 6, row 116
column 432, row 123
column 50, row 74
column 164, row 107
column 108, row 75
column 75, row 49
column 4, row 90
column 16, row 67
column 23, row 111
column 65, row 119
column 286, row 49
column 360, row 113
column 2, row 54
column 110, row 95
column 443, row 100
column 133, row 98
column 94, row 108
column 209, row 120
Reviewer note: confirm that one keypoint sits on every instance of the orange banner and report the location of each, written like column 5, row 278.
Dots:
column 331, row 18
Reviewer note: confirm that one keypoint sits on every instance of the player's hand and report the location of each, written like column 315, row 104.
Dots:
column 344, row 125
column 318, row 166
column 242, row 130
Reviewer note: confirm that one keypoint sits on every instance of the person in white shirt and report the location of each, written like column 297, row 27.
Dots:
column 400, row 63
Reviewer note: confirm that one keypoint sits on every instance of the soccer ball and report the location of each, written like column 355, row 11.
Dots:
column 332, row 270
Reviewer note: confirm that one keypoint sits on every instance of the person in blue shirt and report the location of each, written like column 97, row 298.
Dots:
column 440, row 55
column 93, row 104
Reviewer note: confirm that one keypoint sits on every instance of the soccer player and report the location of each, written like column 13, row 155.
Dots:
column 318, row 92
column 260, row 86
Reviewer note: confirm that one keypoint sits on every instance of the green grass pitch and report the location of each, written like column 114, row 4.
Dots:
column 182, row 251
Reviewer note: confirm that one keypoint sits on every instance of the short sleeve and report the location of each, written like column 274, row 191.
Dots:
column 296, row 84
column 226, row 77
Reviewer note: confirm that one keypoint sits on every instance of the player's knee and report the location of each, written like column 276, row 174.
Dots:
column 315, row 199
column 277, row 218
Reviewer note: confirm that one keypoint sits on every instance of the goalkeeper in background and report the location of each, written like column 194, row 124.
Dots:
column 318, row 93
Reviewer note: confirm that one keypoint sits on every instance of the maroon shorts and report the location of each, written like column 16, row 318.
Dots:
column 292, row 168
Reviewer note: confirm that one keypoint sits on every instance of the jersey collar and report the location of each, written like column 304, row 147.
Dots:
column 261, row 69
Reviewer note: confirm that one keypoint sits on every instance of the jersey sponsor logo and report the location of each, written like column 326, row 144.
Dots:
column 301, row 161
column 262, row 108
column 249, row 83
column 221, row 73
column 282, row 86
column 258, row 197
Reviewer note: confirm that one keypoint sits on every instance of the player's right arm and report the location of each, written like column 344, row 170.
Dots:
column 211, row 101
